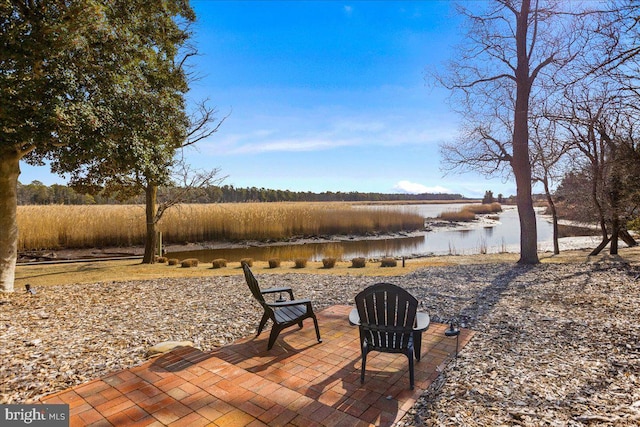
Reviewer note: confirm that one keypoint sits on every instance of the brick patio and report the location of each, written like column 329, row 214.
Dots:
column 300, row 382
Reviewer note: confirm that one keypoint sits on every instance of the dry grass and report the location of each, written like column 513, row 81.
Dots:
column 469, row 212
column 110, row 271
column 61, row 226
column 458, row 216
column 481, row 209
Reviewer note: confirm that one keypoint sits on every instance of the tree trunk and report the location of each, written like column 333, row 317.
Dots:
column 601, row 246
column 627, row 238
column 520, row 161
column 615, row 233
column 605, row 235
column 594, row 197
column 9, row 172
column 151, row 194
column 554, row 216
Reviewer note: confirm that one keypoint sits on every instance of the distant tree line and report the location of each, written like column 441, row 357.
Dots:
column 36, row 193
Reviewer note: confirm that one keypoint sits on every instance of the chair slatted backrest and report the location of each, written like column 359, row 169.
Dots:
column 253, row 284
column 387, row 316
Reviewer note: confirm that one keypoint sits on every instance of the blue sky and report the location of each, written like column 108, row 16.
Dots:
column 325, row 96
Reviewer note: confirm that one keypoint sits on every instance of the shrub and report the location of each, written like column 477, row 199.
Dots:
column 358, row 262
column 162, row 259
column 328, row 262
column 189, row 262
column 173, row 261
column 248, row 261
column 300, row 262
column 219, row 263
column 388, row 262
column 274, row 263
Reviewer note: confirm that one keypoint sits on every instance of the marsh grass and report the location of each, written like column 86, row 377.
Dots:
column 469, row 212
column 63, row 226
column 482, row 209
column 458, row 216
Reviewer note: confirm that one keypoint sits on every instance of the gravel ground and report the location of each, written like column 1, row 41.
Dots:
column 555, row 344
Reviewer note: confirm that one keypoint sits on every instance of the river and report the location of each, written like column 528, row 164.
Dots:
column 482, row 236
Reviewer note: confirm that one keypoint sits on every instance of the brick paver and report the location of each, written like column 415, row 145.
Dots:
column 299, row 382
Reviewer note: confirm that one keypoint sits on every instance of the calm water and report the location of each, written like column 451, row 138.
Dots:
column 499, row 236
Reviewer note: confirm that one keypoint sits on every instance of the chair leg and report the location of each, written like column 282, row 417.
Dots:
column 263, row 322
column 315, row 323
column 364, row 365
column 275, row 331
column 411, row 377
column 409, row 355
column 417, row 344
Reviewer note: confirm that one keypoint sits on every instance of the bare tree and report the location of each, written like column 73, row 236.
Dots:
column 601, row 129
column 510, row 47
column 185, row 180
column 548, row 152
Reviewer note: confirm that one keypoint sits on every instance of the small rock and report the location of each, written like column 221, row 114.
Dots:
column 166, row 346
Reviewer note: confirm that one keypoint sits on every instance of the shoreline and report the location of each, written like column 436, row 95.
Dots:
column 432, row 225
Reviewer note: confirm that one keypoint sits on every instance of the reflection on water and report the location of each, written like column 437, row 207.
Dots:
column 464, row 233
column 312, row 251
column 502, row 237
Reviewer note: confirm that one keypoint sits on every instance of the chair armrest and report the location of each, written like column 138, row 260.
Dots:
column 278, row 290
column 354, row 318
column 290, row 303
column 422, row 322
column 274, row 290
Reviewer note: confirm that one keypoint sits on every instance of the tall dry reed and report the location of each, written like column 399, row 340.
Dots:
column 70, row 226
column 58, row 226
column 469, row 212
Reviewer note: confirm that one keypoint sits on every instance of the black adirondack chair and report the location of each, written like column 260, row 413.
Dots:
column 283, row 314
column 388, row 323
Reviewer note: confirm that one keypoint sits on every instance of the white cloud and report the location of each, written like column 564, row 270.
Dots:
column 315, row 133
column 415, row 188
column 294, row 145
column 348, row 9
